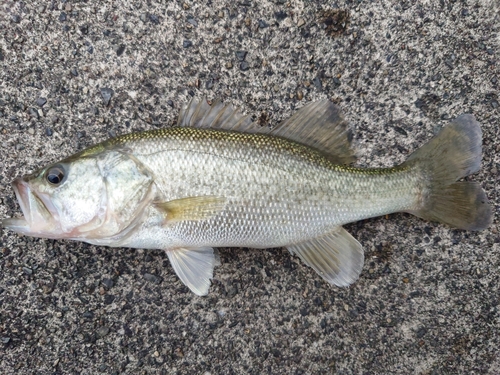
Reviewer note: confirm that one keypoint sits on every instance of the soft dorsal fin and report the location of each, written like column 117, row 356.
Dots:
column 319, row 125
column 322, row 126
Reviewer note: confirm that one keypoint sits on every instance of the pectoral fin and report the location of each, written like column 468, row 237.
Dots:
column 337, row 256
column 191, row 208
column 194, row 267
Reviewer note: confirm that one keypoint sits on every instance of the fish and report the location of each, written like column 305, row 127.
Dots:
column 218, row 179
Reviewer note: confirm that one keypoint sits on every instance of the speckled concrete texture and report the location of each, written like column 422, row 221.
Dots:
column 73, row 73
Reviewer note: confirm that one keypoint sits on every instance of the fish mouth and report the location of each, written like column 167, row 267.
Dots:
column 19, row 225
column 21, row 189
column 36, row 213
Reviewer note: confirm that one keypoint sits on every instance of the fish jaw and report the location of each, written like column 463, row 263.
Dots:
column 22, row 191
column 18, row 225
column 37, row 212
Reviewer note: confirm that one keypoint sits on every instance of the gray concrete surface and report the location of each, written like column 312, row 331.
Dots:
column 427, row 301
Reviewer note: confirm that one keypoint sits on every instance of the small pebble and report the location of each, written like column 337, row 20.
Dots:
column 151, row 278
column 317, row 83
column 192, row 21
column 120, row 50
column 103, row 331
column 62, row 16
column 41, row 101
column 47, row 289
column 153, row 18
column 280, row 15
column 34, row 113
column 108, row 283
column 241, row 55
column 263, row 24
column 108, row 299
column 301, row 22
column 244, row 66
column 421, row 332
column 106, row 94
column 187, row 44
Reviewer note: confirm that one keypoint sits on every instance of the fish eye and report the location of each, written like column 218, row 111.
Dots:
column 55, row 175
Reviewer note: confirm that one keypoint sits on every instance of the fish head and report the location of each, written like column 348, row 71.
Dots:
column 82, row 198
column 59, row 200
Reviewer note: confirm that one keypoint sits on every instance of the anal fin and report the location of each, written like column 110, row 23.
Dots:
column 194, row 267
column 337, row 257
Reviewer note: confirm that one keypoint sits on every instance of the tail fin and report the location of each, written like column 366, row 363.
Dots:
column 452, row 154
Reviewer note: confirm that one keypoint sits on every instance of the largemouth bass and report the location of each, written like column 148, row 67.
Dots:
column 218, row 180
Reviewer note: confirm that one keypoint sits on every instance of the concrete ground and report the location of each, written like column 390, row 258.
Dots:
column 73, row 73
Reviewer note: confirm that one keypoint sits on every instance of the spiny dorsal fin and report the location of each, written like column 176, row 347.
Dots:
column 319, row 125
column 199, row 114
column 337, row 257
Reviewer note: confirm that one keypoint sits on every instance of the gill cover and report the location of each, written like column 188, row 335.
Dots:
column 127, row 191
